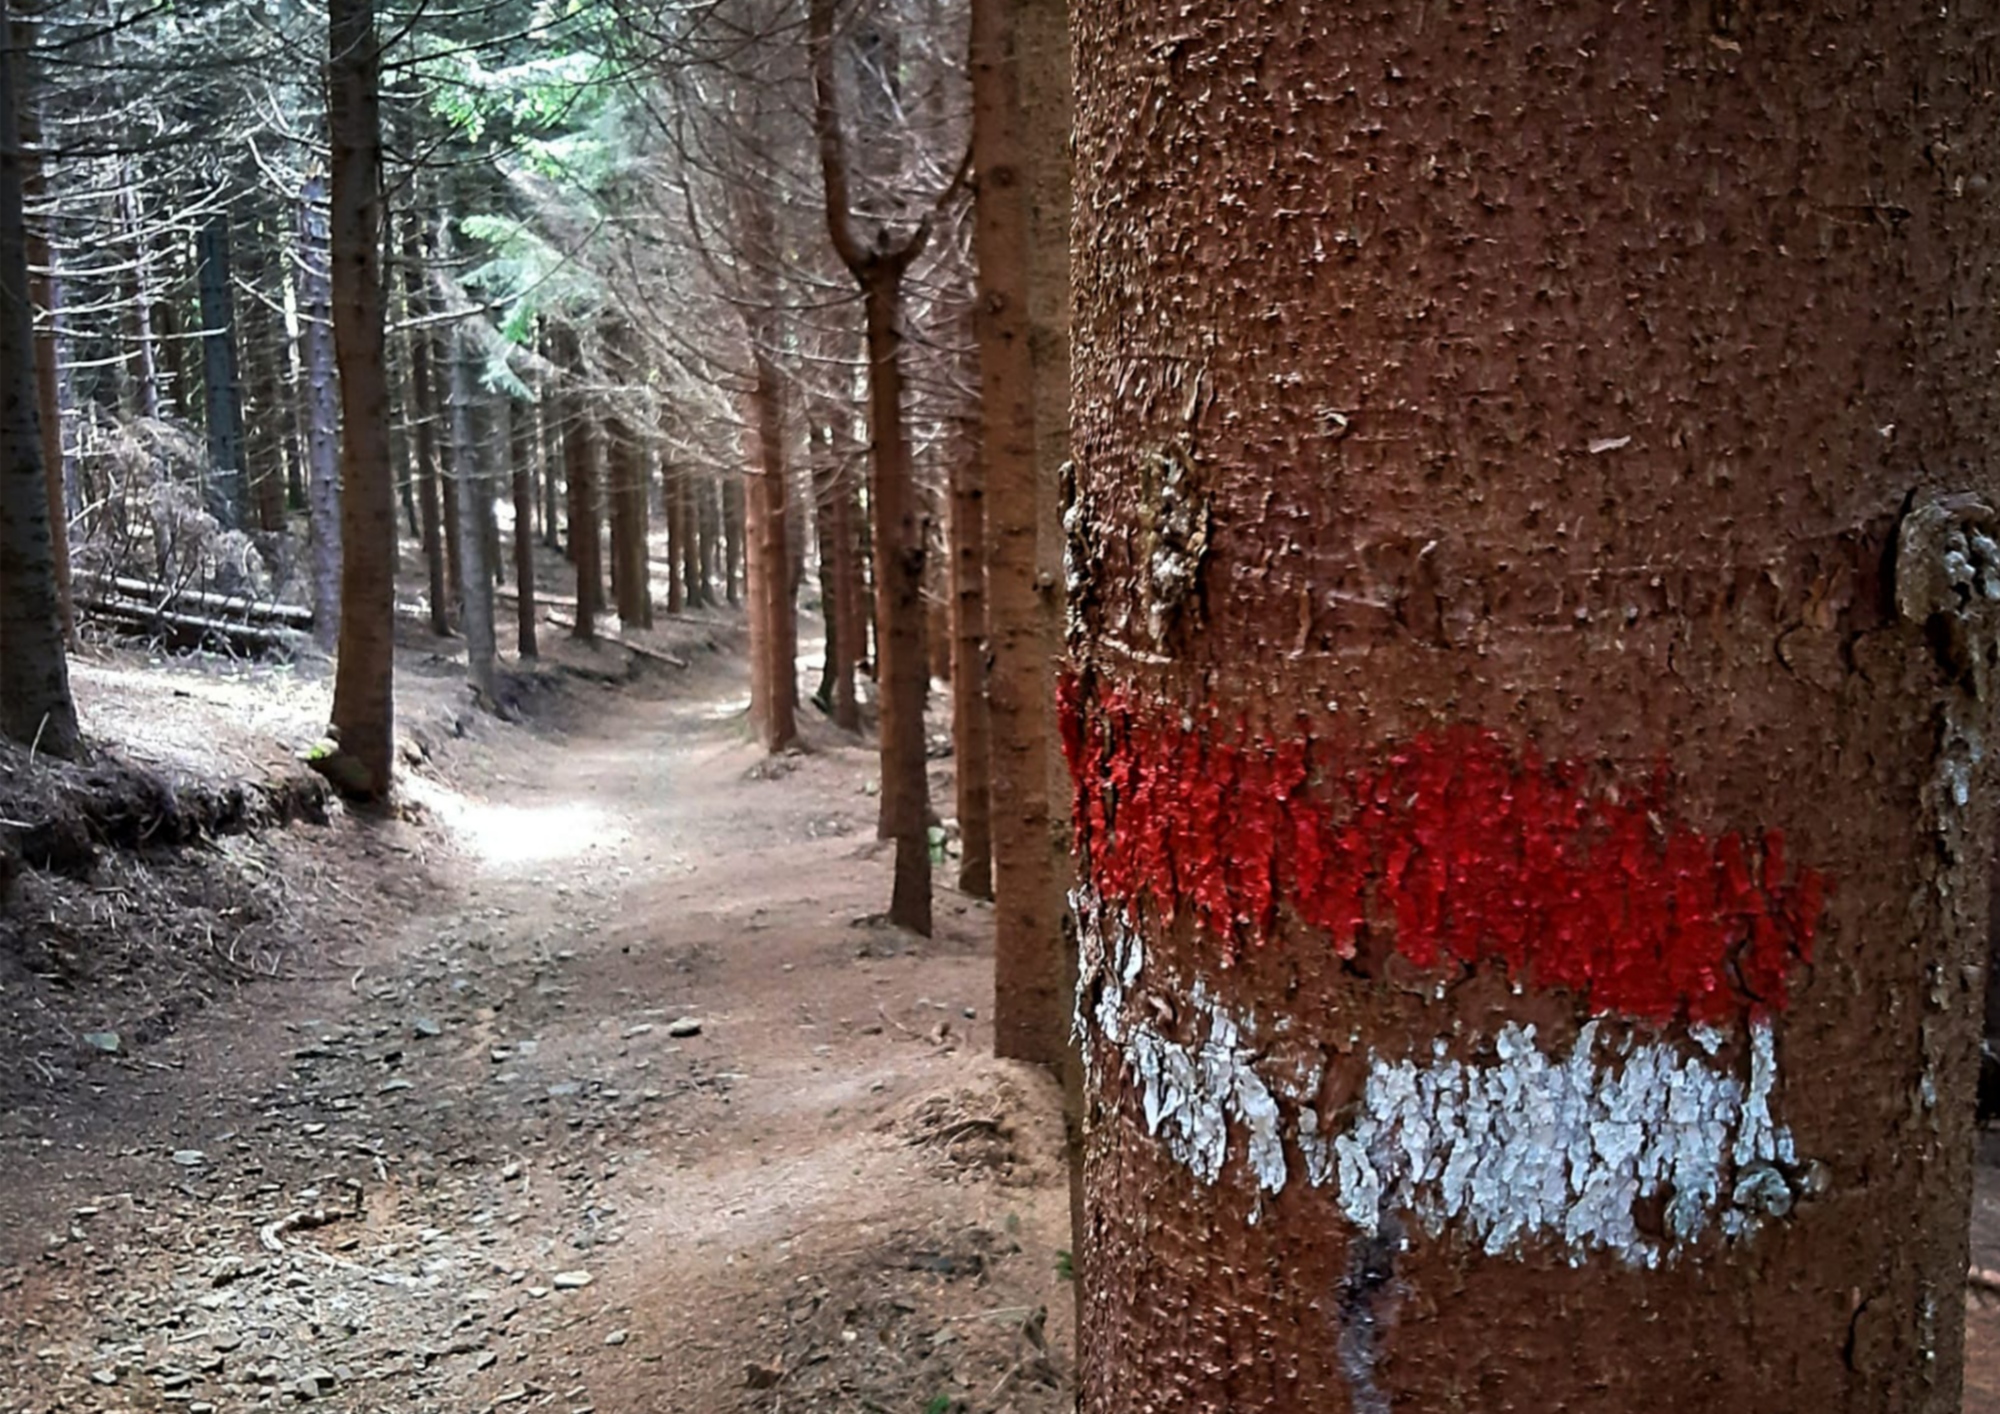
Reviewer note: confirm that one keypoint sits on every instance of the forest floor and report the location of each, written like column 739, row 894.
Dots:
column 589, row 1081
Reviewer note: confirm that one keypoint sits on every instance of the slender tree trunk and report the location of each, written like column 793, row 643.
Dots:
column 899, row 610
column 262, row 344
column 825, row 480
column 708, row 523
column 971, row 729
column 694, row 591
column 1536, row 609
column 139, row 304
column 322, row 411
column 772, row 619
column 423, row 431
column 46, row 291
column 475, row 590
column 878, row 267
column 363, row 692
column 677, row 532
column 579, row 458
column 732, row 535
column 625, row 491
column 35, row 702
column 222, row 388
column 1029, row 1020
column 522, row 445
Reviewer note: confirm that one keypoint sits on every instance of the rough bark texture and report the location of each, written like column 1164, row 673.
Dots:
column 35, row 703
column 732, row 536
column 971, row 726
column 1029, row 1022
column 363, row 687
column 521, row 446
column 1532, row 701
column 322, row 418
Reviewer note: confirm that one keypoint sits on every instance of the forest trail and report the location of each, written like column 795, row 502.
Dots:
column 613, row 1101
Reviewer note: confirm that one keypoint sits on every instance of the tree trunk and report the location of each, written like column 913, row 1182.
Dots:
column 521, row 447
column 878, row 267
column 46, row 290
column 548, row 423
column 732, row 535
column 1029, row 1020
column 971, row 730
column 322, row 416
column 625, row 489
column 708, row 529
column 262, row 346
column 579, row 468
column 35, row 702
column 475, row 504
column 773, row 621
column 222, row 390
column 423, row 431
column 1533, row 669
column 139, row 304
column 363, row 691
column 678, row 531
column 904, row 676
column 693, row 591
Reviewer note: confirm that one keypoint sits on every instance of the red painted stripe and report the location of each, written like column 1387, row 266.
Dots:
column 1467, row 849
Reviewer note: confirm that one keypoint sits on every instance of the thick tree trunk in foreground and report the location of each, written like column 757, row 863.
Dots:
column 35, row 703
column 363, row 688
column 1534, row 671
column 322, row 412
column 1029, row 1021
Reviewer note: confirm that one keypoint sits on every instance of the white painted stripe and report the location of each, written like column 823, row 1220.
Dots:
column 1526, row 1148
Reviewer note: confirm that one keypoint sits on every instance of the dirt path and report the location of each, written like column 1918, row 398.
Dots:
column 645, row 1117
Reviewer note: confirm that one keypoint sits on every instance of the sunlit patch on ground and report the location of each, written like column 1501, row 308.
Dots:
column 514, row 834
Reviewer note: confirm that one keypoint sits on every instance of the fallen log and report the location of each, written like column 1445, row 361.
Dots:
column 180, row 630
column 181, row 600
column 639, row 649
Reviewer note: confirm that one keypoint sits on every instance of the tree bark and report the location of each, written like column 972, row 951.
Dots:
column 475, row 501
column 579, row 459
column 363, row 691
column 46, row 291
column 773, row 618
column 322, row 417
column 679, row 534
column 521, row 448
column 694, row 590
column 625, row 490
column 1533, row 641
column 1029, row 1020
column 35, row 702
column 971, row 728
column 222, row 389
column 423, row 431
column 732, row 536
